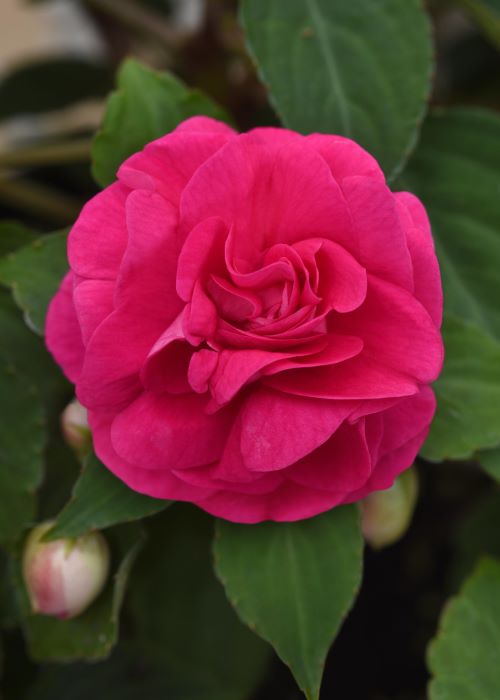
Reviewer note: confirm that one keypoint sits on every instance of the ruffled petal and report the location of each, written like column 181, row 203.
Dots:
column 345, row 157
column 62, row 331
column 146, row 304
column 202, row 253
column 147, row 272
column 268, row 194
column 166, row 365
column 406, row 419
column 180, row 434
column 113, row 358
column 154, row 483
column 382, row 245
column 426, row 274
column 277, row 429
column 396, row 330
column 342, row 280
column 93, row 303
column 235, row 368
column 288, row 503
column 336, row 349
column 340, row 465
column 98, row 239
column 167, row 164
column 389, row 467
column 242, row 482
column 358, row 378
column 404, row 429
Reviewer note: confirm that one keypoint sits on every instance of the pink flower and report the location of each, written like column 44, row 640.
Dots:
column 252, row 322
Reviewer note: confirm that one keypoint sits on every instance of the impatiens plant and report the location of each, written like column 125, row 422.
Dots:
column 233, row 360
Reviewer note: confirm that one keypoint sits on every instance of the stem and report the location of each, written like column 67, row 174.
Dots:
column 39, row 200
column 75, row 151
column 135, row 16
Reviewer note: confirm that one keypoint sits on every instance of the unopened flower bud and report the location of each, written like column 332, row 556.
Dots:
column 75, row 427
column 386, row 515
column 63, row 577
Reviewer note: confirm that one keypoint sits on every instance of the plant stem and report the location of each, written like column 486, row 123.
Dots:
column 135, row 16
column 39, row 200
column 74, row 151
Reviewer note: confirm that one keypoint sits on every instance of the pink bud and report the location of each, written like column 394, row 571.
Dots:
column 64, row 576
column 75, row 426
column 386, row 515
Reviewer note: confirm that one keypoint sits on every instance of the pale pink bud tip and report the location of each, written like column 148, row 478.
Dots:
column 64, row 577
column 75, row 426
column 386, row 515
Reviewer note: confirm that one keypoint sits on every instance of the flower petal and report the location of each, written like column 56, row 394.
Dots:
column 337, row 348
column 342, row 280
column 235, row 368
column 396, row 330
column 383, row 250
column 345, row 157
column 268, row 193
column 166, row 365
column 93, row 303
column 202, row 253
column 155, row 483
column 147, row 272
column 179, row 432
column 342, row 464
column 167, row 164
column 426, row 275
column 98, row 239
column 288, row 503
column 405, row 427
column 62, row 331
column 406, row 419
column 278, row 430
column 146, row 304
column 358, row 378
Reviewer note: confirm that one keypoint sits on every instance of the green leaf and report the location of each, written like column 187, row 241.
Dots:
column 147, row 105
column 32, row 390
column 490, row 461
column 100, row 500
column 463, row 658
column 455, row 171
column 24, row 378
column 293, row 583
column 22, row 439
column 34, row 273
column 183, row 621
column 27, row 354
column 93, row 634
column 468, row 394
column 361, row 69
column 14, row 235
column 51, row 84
